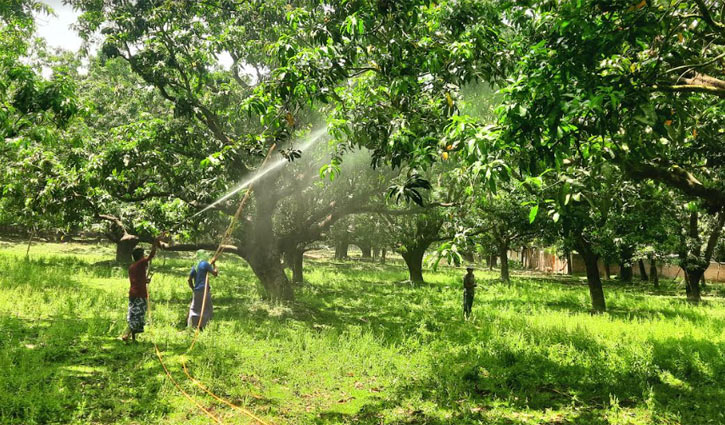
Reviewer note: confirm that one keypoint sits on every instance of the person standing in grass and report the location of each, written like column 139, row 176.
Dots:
column 197, row 282
column 137, row 294
column 469, row 285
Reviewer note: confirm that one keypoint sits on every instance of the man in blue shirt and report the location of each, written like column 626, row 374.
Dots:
column 197, row 281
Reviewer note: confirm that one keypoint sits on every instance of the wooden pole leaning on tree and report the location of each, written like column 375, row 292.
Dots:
column 173, row 381
column 217, row 254
column 166, row 369
column 220, row 249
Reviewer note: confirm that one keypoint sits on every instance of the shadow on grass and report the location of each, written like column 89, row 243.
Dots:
column 523, row 379
column 384, row 308
column 473, row 362
column 684, row 372
column 63, row 370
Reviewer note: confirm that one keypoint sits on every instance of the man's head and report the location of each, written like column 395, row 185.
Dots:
column 137, row 254
column 201, row 255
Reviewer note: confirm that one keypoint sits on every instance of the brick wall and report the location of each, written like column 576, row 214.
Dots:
column 540, row 260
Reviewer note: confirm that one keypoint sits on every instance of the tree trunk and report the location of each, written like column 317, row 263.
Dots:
column 366, row 251
column 625, row 272
column 468, row 256
column 492, row 261
column 124, row 248
column 30, row 242
column 414, row 260
column 503, row 254
column 593, row 280
column 693, row 261
column 692, row 284
column 687, row 283
column 523, row 258
column 642, row 272
column 607, row 270
column 262, row 246
column 653, row 273
column 383, row 255
column 288, row 258
column 266, row 265
column 569, row 266
column 297, row 271
column 376, row 253
column 341, row 248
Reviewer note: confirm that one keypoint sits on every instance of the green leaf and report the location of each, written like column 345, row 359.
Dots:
column 532, row 214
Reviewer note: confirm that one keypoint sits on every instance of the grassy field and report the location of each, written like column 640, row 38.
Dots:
column 357, row 347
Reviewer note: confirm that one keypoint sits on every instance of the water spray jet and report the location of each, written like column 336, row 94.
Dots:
column 311, row 140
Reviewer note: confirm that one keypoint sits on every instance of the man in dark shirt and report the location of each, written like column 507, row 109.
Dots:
column 469, row 285
column 137, row 295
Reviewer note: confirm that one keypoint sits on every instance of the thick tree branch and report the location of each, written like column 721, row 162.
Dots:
column 694, row 88
column 707, row 16
column 212, row 123
column 211, row 246
column 714, row 236
column 314, row 229
column 697, row 83
column 441, row 204
column 706, row 80
column 140, row 198
column 113, row 219
column 120, row 234
column 678, row 178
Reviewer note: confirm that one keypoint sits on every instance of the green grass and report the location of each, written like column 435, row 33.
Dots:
column 357, row 347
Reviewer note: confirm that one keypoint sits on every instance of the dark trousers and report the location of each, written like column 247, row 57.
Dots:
column 467, row 303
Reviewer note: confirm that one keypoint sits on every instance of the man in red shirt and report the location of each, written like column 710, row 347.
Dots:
column 137, row 295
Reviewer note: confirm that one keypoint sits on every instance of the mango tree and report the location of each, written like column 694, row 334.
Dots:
column 217, row 138
column 35, row 113
column 636, row 84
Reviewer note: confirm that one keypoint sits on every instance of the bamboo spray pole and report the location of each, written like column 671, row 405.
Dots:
column 215, row 257
column 220, row 249
column 217, row 254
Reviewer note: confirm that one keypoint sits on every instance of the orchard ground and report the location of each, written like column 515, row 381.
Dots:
column 357, row 346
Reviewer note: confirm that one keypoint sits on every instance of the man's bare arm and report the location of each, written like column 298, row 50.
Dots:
column 154, row 246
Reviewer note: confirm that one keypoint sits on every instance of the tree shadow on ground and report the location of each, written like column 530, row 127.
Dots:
column 525, row 380
column 691, row 315
column 684, row 372
column 373, row 414
column 244, row 391
column 69, row 366
column 528, row 380
column 339, row 307
column 63, row 379
column 619, row 312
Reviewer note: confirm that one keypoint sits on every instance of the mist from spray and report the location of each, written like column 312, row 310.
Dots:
column 310, row 140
